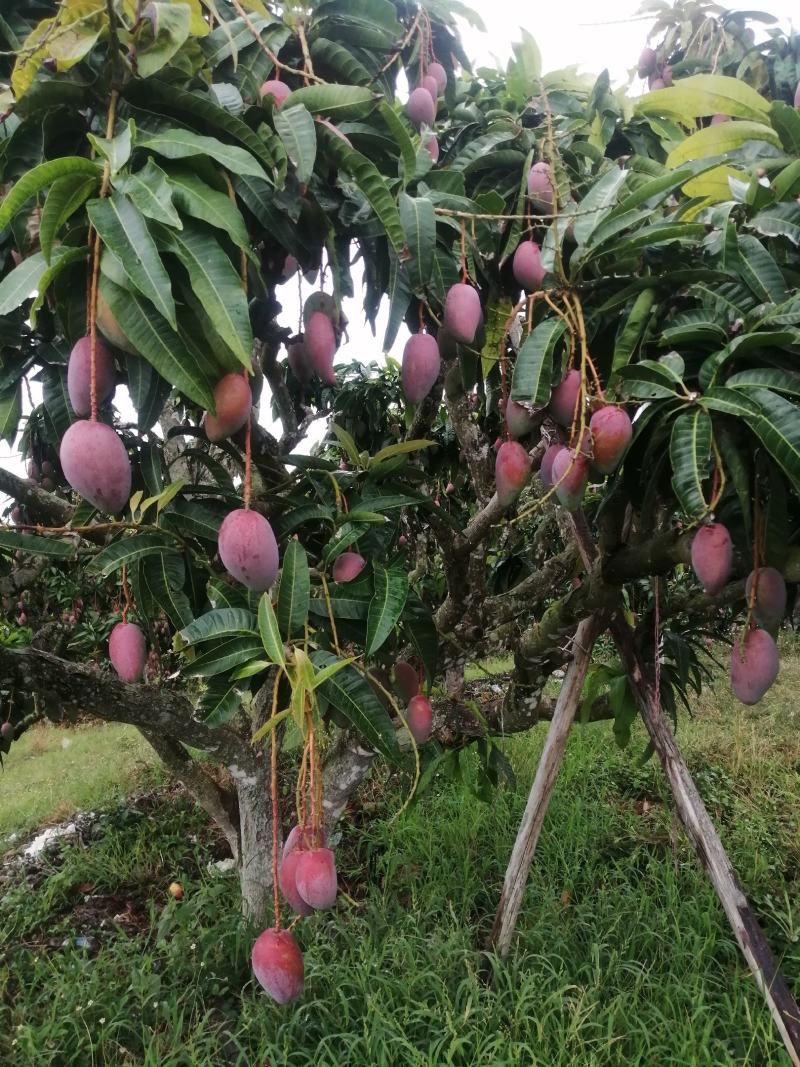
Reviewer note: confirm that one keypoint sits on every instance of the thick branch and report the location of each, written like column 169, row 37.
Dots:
column 42, row 507
column 61, row 684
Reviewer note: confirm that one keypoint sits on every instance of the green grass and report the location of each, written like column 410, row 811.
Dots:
column 52, row 773
column 623, row 956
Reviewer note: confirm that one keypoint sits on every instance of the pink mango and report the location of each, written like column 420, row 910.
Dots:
column 421, row 366
column 248, row 549
column 278, row 965
column 611, row 434
column 540, row 188
column 95, row 463
column 419, row 717
column 276, row 91
column 79, row 375
column 570, row 475
column 320, row 341
column 348, row 566
column 564, row 399
column 462, row 312
column 233, row 400
column 421, row 108
column 754, row 666
column 712, row 557
column 527, row 266
column 511, row 471
column 315, row 878
column 287, row 880
column 127, row 650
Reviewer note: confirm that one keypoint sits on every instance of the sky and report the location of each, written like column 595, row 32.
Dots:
column 581, row 32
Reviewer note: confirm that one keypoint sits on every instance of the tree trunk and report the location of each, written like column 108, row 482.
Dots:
column 255, row 841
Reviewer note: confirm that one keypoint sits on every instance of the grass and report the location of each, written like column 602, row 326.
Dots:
column 52, row 773
column 623, row 956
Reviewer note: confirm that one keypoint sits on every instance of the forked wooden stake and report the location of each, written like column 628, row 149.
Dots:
column 542, row 789
column 701, row 830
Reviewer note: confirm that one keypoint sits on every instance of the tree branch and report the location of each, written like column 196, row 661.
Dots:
column 61, row 685
column 42, row 506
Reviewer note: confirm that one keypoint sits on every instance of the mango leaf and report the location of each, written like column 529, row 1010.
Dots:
column 221, row 622
column 151, row 193
column 401, row 449
column 160, row 345
column 183, row 144
column 786, row 121
column 294, row 591
column 172, row 26
column 148, row 390
column 705, row 94
column 597, row 203
column 63, row 199
column 340, row 60
column 37, row 179
column 296, row 129
column 533, row 368
column 370, row 181
column 115, row 150
column 10, row 412
column 649, row 380
column 719, row 139
column 127, row 550
column 419, row 223
column 397, row 128
column 419, row 627
column 386, row 606
column 335, row 102
column 399, row 293
column 196, row 198
column 216, row 284
column 21, row 282
column 270, row 631
column 689, row 449
column 10, row 541
column 223, row 657
column 124, row 232
column 778, row 427
column 354, row 698
column 632, row 332
column 779, row 220
column 779, row 381
column 219, row 703
column 759, row 270
column 61, row 258
column 345, row 439
column 164, row 575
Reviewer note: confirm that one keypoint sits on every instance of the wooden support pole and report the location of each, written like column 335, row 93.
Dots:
column 701, row 831
column 542, row 789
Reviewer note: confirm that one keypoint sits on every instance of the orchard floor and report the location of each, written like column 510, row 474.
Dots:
column 623, row 956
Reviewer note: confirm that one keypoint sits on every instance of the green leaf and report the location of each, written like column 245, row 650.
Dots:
column 296, row 129
column 173, row 23
column 124, row 232
column 419, row 223
column 778, row 427
column 719, row 139
column 624, row 707
column 345, row 439
column 62, row 257
column 634, row 329
column 221, row 622
column 400, row 449
column 270, row 631
column 216, row 284
column 786, row 121
column 10, row 413
column 39, row 178
column 779, row 381
column 648, row 380
column 219, row 703
column 759, row 270
column 335, row 102
column 127, row 550
column 148, row 390
column 419, row 627
column 223, row 657
column 397, row 128
column 21, row 282
column 705, row 94
column 354, row 698
column 183, row 144
column 386, row 606
column 164, row 575
column 371, row 183
column 689, row 448
column 36, row 546
column 192, row 519
column 340, row 60
column 399, row 293
column 294, row 591
column 160, row 345
column 116, row 150
column 194, row 197
column 64, row 198
column 597, row 203
column 533, row 369
column 151, row 193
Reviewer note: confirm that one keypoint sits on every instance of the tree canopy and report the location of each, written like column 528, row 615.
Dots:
column 158, row 201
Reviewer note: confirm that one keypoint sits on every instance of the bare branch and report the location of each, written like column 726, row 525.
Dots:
column 42, row 506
